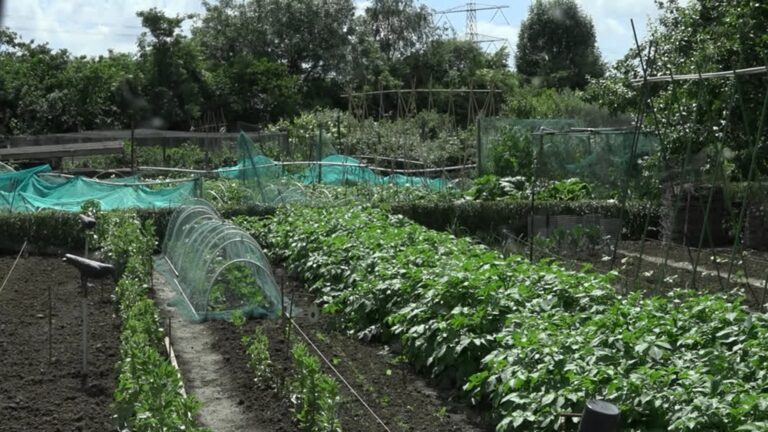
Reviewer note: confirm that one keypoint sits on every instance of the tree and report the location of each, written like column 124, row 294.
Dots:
column 254, row 90
column 386, row 35
column 708, row 118
column 42, row 90
column 309, row 37
column 400, row 27
column 557, row 46
column 172, row 70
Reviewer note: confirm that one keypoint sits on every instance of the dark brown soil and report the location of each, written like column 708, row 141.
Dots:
column 392, row 390
column 36, row 395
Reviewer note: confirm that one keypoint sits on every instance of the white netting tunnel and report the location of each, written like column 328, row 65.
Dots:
column 217, row 267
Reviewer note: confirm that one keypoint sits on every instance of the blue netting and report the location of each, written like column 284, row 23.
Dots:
column 32, row 190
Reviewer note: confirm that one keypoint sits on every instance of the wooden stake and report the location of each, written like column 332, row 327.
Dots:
column 50, row 323
column 84, row 341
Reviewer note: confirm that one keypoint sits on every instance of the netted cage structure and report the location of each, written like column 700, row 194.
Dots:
column 609, row 160
column 607, row 165
column 548, row 163
column 499, row 135
column 217, row 267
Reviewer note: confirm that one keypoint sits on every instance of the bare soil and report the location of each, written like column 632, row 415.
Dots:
column 36, row 395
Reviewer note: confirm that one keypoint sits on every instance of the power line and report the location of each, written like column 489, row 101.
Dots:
column 44, row 30
column 22, row 18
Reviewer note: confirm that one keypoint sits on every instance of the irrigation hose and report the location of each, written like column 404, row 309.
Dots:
column 24, row 246
column 325, row 359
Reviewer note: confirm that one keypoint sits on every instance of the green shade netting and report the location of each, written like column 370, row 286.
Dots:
column 604, row 159
column 352, row 172
column 494, row 130
column 255, row 166
column 25, row 191
column 9, row 181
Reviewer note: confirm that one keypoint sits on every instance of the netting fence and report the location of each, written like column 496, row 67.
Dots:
column 38, row 188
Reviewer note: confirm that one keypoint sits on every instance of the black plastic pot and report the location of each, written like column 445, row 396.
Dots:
column 600, row 416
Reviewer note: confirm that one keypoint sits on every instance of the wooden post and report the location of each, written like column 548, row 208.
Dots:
column 320, row 155
column 133, row 148
column 84, row 341
column 50, row 323
column 480, row 154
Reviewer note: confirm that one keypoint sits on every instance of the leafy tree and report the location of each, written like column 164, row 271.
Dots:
column 309, row 37
column 254, row 90
column 171, row 68
column 557, row 46
column 42, row 90
column 708, row 119
column 400, row 27
column 455, row 64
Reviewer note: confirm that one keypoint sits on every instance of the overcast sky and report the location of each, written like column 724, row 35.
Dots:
column 91, row 27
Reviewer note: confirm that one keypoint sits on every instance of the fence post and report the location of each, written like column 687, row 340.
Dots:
column 133, row 148
column 479, row 147
column 320, row 155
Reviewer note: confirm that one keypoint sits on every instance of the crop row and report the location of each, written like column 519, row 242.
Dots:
column 149, row 394
column 313, row 393
column 528, row 341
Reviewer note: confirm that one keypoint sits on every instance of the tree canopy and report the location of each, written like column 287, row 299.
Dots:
column 705, row 118
column 256, row 61
column 557, row 46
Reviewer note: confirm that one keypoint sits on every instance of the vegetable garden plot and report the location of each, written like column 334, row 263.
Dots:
column 388, row 385
column 530, row 340
column 36, row 395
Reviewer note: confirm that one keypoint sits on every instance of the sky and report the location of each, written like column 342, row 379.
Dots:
column 91, row 27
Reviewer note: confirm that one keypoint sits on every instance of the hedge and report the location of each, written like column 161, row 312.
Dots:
column 493, row 216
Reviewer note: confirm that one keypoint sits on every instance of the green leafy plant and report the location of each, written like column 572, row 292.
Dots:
column 528, row 340
column 236, row 286
column 257, row 349
column 237, row 318
column 315, row 395
column 148, row 396
column 512, row 154
column 491, row 188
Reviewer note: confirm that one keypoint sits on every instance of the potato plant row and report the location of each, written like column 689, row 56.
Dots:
column 149, row 393
column 528, row 341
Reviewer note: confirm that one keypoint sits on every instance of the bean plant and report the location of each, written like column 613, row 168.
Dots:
column 257, row 349
column 149, row 393
column 314, row 394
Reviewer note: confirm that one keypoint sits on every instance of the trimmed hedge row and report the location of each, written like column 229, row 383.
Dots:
column 49, row 231
column 494, row 216
column 44, row 231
